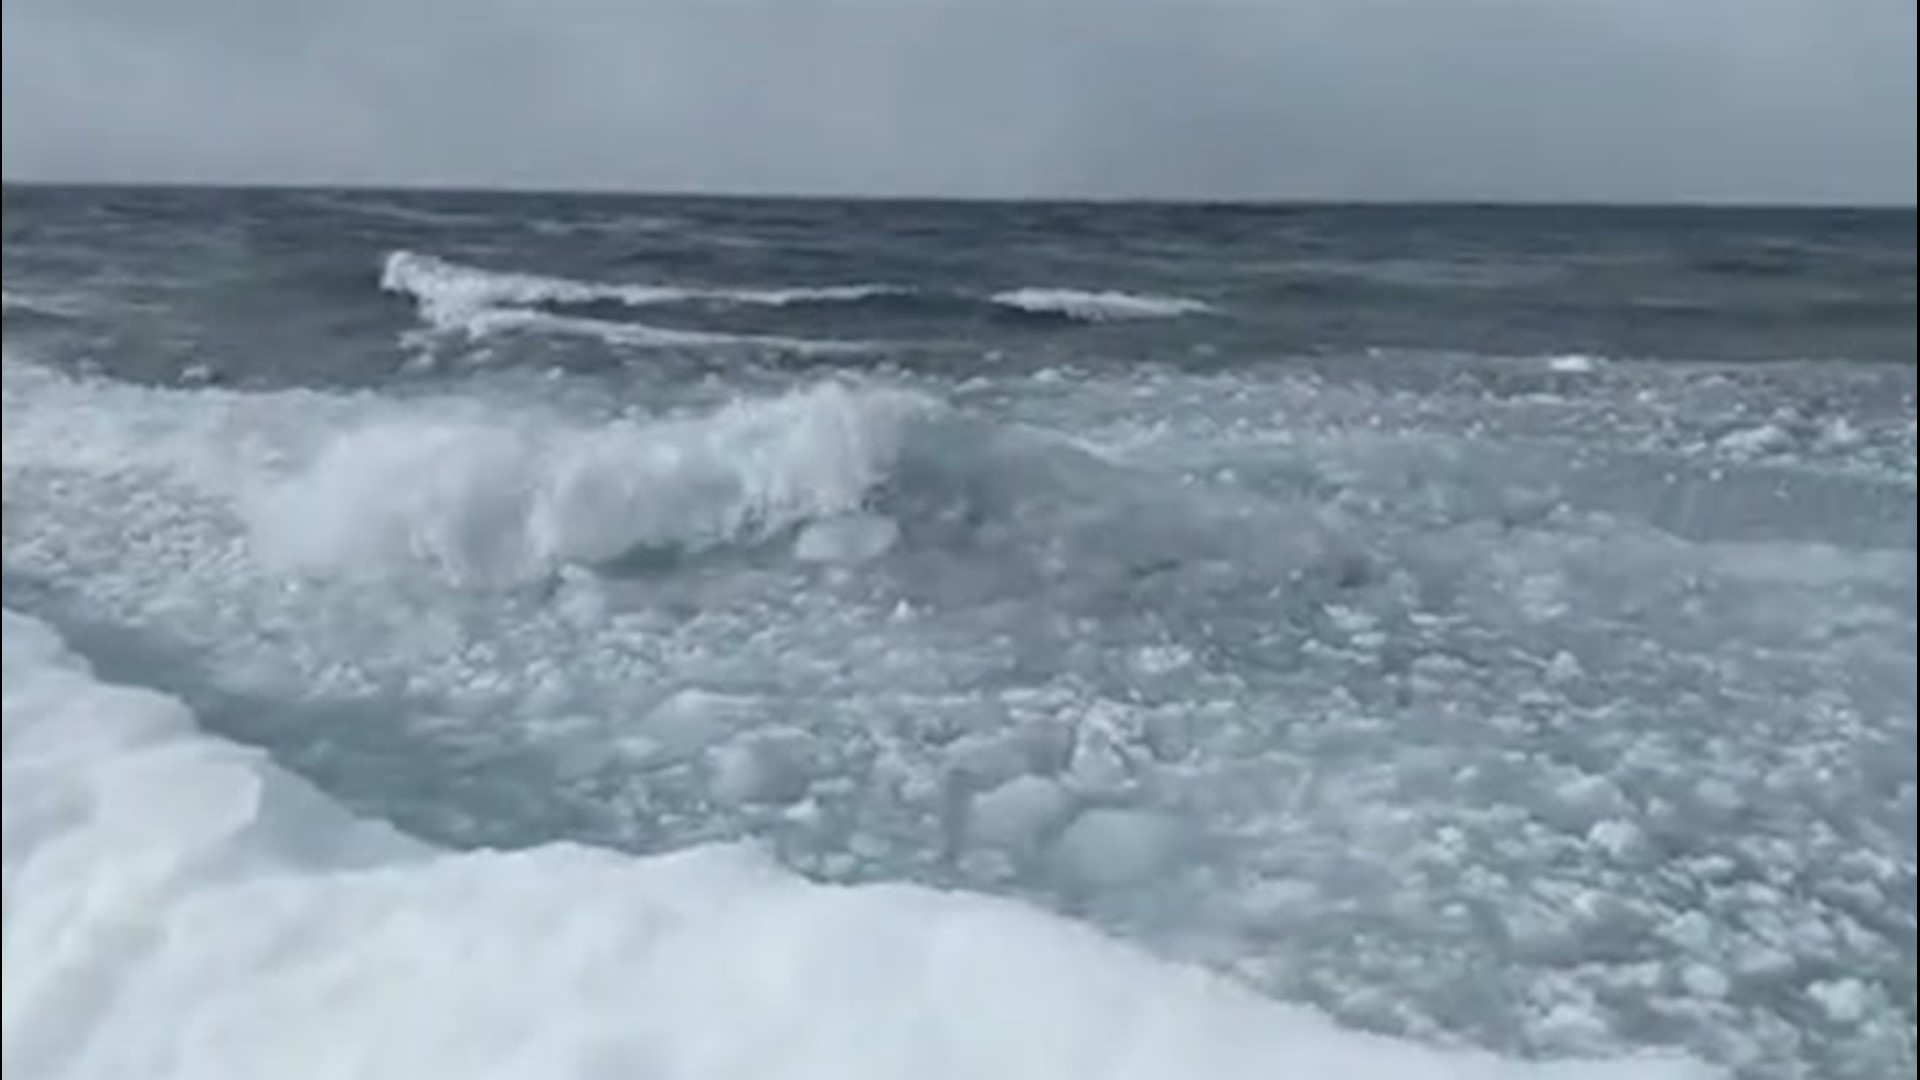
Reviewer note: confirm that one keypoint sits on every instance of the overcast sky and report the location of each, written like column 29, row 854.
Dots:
column 1617, row 100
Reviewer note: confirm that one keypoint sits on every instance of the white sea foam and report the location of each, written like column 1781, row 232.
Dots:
column 449, row 294
column 817, row 294
column 178, row 907
column 1573, row 364
column 440, row 284
column 1099, row 306
column 34, row 305
column 486, row 501
column 486, row 322
column 455, row 297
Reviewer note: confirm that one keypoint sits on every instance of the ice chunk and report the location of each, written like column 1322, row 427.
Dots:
column 1691, row 931
column 1564, row 668
column 1623, row 841
column 692, row 719
column 770, row 766
column 1839, row 433
column 1754, row 441
column 848, row 538
column 1843, row 1000
column 1704, row 981
column 1161, row 659
column 1019, row 812
column 1112, row 847
column 1567, row 1024
column 1717, row 797
column 1099, row 760
column 1580, row 803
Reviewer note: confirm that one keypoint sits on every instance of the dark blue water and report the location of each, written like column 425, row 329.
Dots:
column 280, row 286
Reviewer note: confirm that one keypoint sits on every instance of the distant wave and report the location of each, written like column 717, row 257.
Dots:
column 453, row 295
column 1757, row 259
column 433, row 280
column 1101, row 306
column 491, row 321
column 14, row 303
column 402, row 213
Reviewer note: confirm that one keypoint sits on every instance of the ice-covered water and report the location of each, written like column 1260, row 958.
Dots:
column 1558, row 705
column 147, row 864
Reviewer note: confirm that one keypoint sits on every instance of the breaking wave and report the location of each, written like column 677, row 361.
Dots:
column 1099, row 306
column 481, row 303
column 488, row 502
column 17, row 304
column 455, row 296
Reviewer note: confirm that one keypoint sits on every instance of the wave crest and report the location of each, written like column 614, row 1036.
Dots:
column 13, row 303
column 1098, row 306
column 454, row 297
column 451, row 296
column 492, row 504
column 442, row 284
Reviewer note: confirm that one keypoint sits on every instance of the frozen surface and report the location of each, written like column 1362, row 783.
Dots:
column 178, row 907
column 1557, row 712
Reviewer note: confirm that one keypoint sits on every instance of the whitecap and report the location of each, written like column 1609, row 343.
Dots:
column 485, row 501
column 454, row 297
column 1099, row 306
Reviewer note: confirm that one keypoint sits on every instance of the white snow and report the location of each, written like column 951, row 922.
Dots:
column 178, row 907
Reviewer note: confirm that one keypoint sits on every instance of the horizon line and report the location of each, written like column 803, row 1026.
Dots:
column 749, row 195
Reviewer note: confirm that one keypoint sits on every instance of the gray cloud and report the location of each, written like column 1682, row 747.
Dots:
column 1769, row 100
